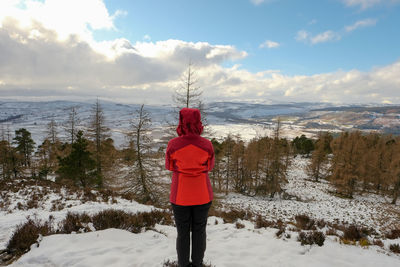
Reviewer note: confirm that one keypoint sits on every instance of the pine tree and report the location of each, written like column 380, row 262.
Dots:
column 303, row 145
column 78, row 166
column 24, row 145
column 43, row 153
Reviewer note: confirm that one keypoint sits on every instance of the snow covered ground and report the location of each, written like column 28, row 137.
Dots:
column 368, row 210
column 226, row 246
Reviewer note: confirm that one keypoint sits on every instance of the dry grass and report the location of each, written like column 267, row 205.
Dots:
column 304, row 222
column 310, row 238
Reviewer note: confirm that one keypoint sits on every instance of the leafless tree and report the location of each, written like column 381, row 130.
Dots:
column 99, row 132
column 52, row 133
column 141, row 182
column 71, row 125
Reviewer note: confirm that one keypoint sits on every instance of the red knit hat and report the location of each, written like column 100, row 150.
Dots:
column 189, row 122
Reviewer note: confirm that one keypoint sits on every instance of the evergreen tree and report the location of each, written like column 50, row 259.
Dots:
column 303, row 145
column 24, row 145
column 78, row 166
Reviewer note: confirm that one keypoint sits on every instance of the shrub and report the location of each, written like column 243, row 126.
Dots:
column 331, row 231
column 378, row 242
column 262, row 223
column 310, row 238
column 321, row 223
column 170, row 263
column 27, row 234
column 232, row 215
column 364, row 242
column 119, row 219
column 304, row 222
column 74, row 222
column 393, row 234
column 239, row 225
column 353, row 233
column 394, row 248
column 279, row 232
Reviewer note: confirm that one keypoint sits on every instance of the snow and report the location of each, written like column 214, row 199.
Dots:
column 226, row 246
column 314, row 200
column 10, row 219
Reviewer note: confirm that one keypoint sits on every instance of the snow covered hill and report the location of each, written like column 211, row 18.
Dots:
column 238, row 243
column 245, row 119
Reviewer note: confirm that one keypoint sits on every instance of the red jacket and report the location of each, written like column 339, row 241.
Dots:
column 190, row 157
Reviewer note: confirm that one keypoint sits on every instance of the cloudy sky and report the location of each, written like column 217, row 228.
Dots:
column 340, row 51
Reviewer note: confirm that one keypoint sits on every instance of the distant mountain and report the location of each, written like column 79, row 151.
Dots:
column 297, row 118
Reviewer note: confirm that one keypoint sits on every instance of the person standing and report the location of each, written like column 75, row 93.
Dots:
column 190, row 157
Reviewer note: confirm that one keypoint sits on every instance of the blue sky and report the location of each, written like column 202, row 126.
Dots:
column 338, row 51
column 246, row 25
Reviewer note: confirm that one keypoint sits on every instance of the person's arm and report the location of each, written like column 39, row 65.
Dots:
column 168, row 161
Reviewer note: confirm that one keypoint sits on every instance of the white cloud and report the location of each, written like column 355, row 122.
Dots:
column 365, row 4
column 36, row 62
column 257, row 2
column 302, row 36
column 66, row 17
column 327, row 36
column 146, row 37
column 352, row 86
column 361, row 23
column 311, row 22
column 269, row 44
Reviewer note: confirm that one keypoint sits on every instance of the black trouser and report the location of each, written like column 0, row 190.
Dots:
column 192, row 218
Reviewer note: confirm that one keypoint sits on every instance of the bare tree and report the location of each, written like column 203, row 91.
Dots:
column 319, row 157
column 71, row 125
column 52, row 132
column 99, row 132
column 141, row 182
column 188, row 95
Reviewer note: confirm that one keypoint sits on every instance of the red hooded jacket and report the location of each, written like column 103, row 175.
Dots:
column 190, row 157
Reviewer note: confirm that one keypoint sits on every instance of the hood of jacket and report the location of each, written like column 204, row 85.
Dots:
column 189, row 122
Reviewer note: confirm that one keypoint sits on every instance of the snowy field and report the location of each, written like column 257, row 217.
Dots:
column 368, row 210
column 226, row 246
